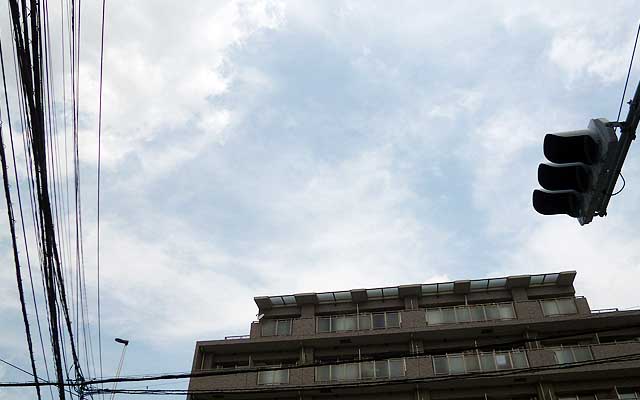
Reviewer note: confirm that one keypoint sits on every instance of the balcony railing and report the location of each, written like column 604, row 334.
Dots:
column 276, row 377
column 233, row 337
column 381, row 369
column 571, row 354
column 555, row 307
column 462, row 363
column 359, row 322
column 472, row 313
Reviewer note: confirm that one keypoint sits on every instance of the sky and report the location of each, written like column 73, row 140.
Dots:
column 272, row 147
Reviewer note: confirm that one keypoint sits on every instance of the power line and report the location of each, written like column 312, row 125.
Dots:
column 30, row 374
column 633, row 53
column 16, row 257
column 359, row 384
column 379, row 357
column 471, row 375
column 98, row 183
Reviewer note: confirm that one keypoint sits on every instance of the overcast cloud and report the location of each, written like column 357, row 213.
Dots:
column 272, row 147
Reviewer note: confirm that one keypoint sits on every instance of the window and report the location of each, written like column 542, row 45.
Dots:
column 283, row 327
column 276, row 327
column 475, row 313
column 565, row 355
column 276, row 377
column 553, row 307
column 378, row 321
column 381, row 369
column 393, row 320
column 232, row 365
column 479, row 361
column 353, row 322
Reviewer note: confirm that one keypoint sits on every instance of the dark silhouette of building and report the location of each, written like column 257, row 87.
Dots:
column 517, row 337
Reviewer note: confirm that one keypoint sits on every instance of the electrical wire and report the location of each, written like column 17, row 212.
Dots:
column 360, row 384
column 98, row 184
column 16, row 257
column 633, row 53
column 379, row 357
column 472, row 375
column 624, row 183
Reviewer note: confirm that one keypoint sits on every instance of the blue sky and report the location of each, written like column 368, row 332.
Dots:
column 272, row 147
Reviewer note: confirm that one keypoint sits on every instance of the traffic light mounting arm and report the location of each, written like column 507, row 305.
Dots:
column 627, row 135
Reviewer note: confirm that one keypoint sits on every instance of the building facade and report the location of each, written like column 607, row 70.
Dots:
column 517, row 337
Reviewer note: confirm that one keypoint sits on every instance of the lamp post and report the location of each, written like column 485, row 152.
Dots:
column 125, row 343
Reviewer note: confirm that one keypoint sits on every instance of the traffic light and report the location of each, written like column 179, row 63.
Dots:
column 577, row 181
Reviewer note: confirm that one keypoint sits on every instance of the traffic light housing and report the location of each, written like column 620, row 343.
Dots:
column 575, row 183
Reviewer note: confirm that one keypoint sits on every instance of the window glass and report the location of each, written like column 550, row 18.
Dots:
column 365, row 321
column 566, row 306
column 456, row 364
column 323, row 373
column 471, row 362
column 381, row 369
column 487, row 362
column 350, row 323
column 463, row 314
column 351, row 371
column 628, row 396
column 396, row 368
column 519, row 359
column 582, row 353
column 549, row 307
column 378, row 321
column 281, row 376
column 506, row 311
column 440, row 365
column 366, row 370
column 563, row 356
column 477, row 313
column 324, row 324
column 393, row 320
column 492, row 312
column 337, row 323
column 434, row 316
column 448, row 316
column 503, row 361
column 284, row 327
column 268, row 327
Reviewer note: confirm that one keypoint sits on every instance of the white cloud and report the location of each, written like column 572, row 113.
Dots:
column 163, row 79
column 604, row 253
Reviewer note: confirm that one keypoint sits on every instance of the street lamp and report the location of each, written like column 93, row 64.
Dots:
column 125, row 343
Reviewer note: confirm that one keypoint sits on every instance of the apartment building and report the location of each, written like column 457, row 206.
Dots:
column 516, row 337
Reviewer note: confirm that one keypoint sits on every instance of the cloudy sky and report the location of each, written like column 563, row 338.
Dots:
column 272, row 147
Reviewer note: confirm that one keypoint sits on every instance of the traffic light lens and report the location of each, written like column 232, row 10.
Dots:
column 565, row 202
column 570, row 149
column 564, row 177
